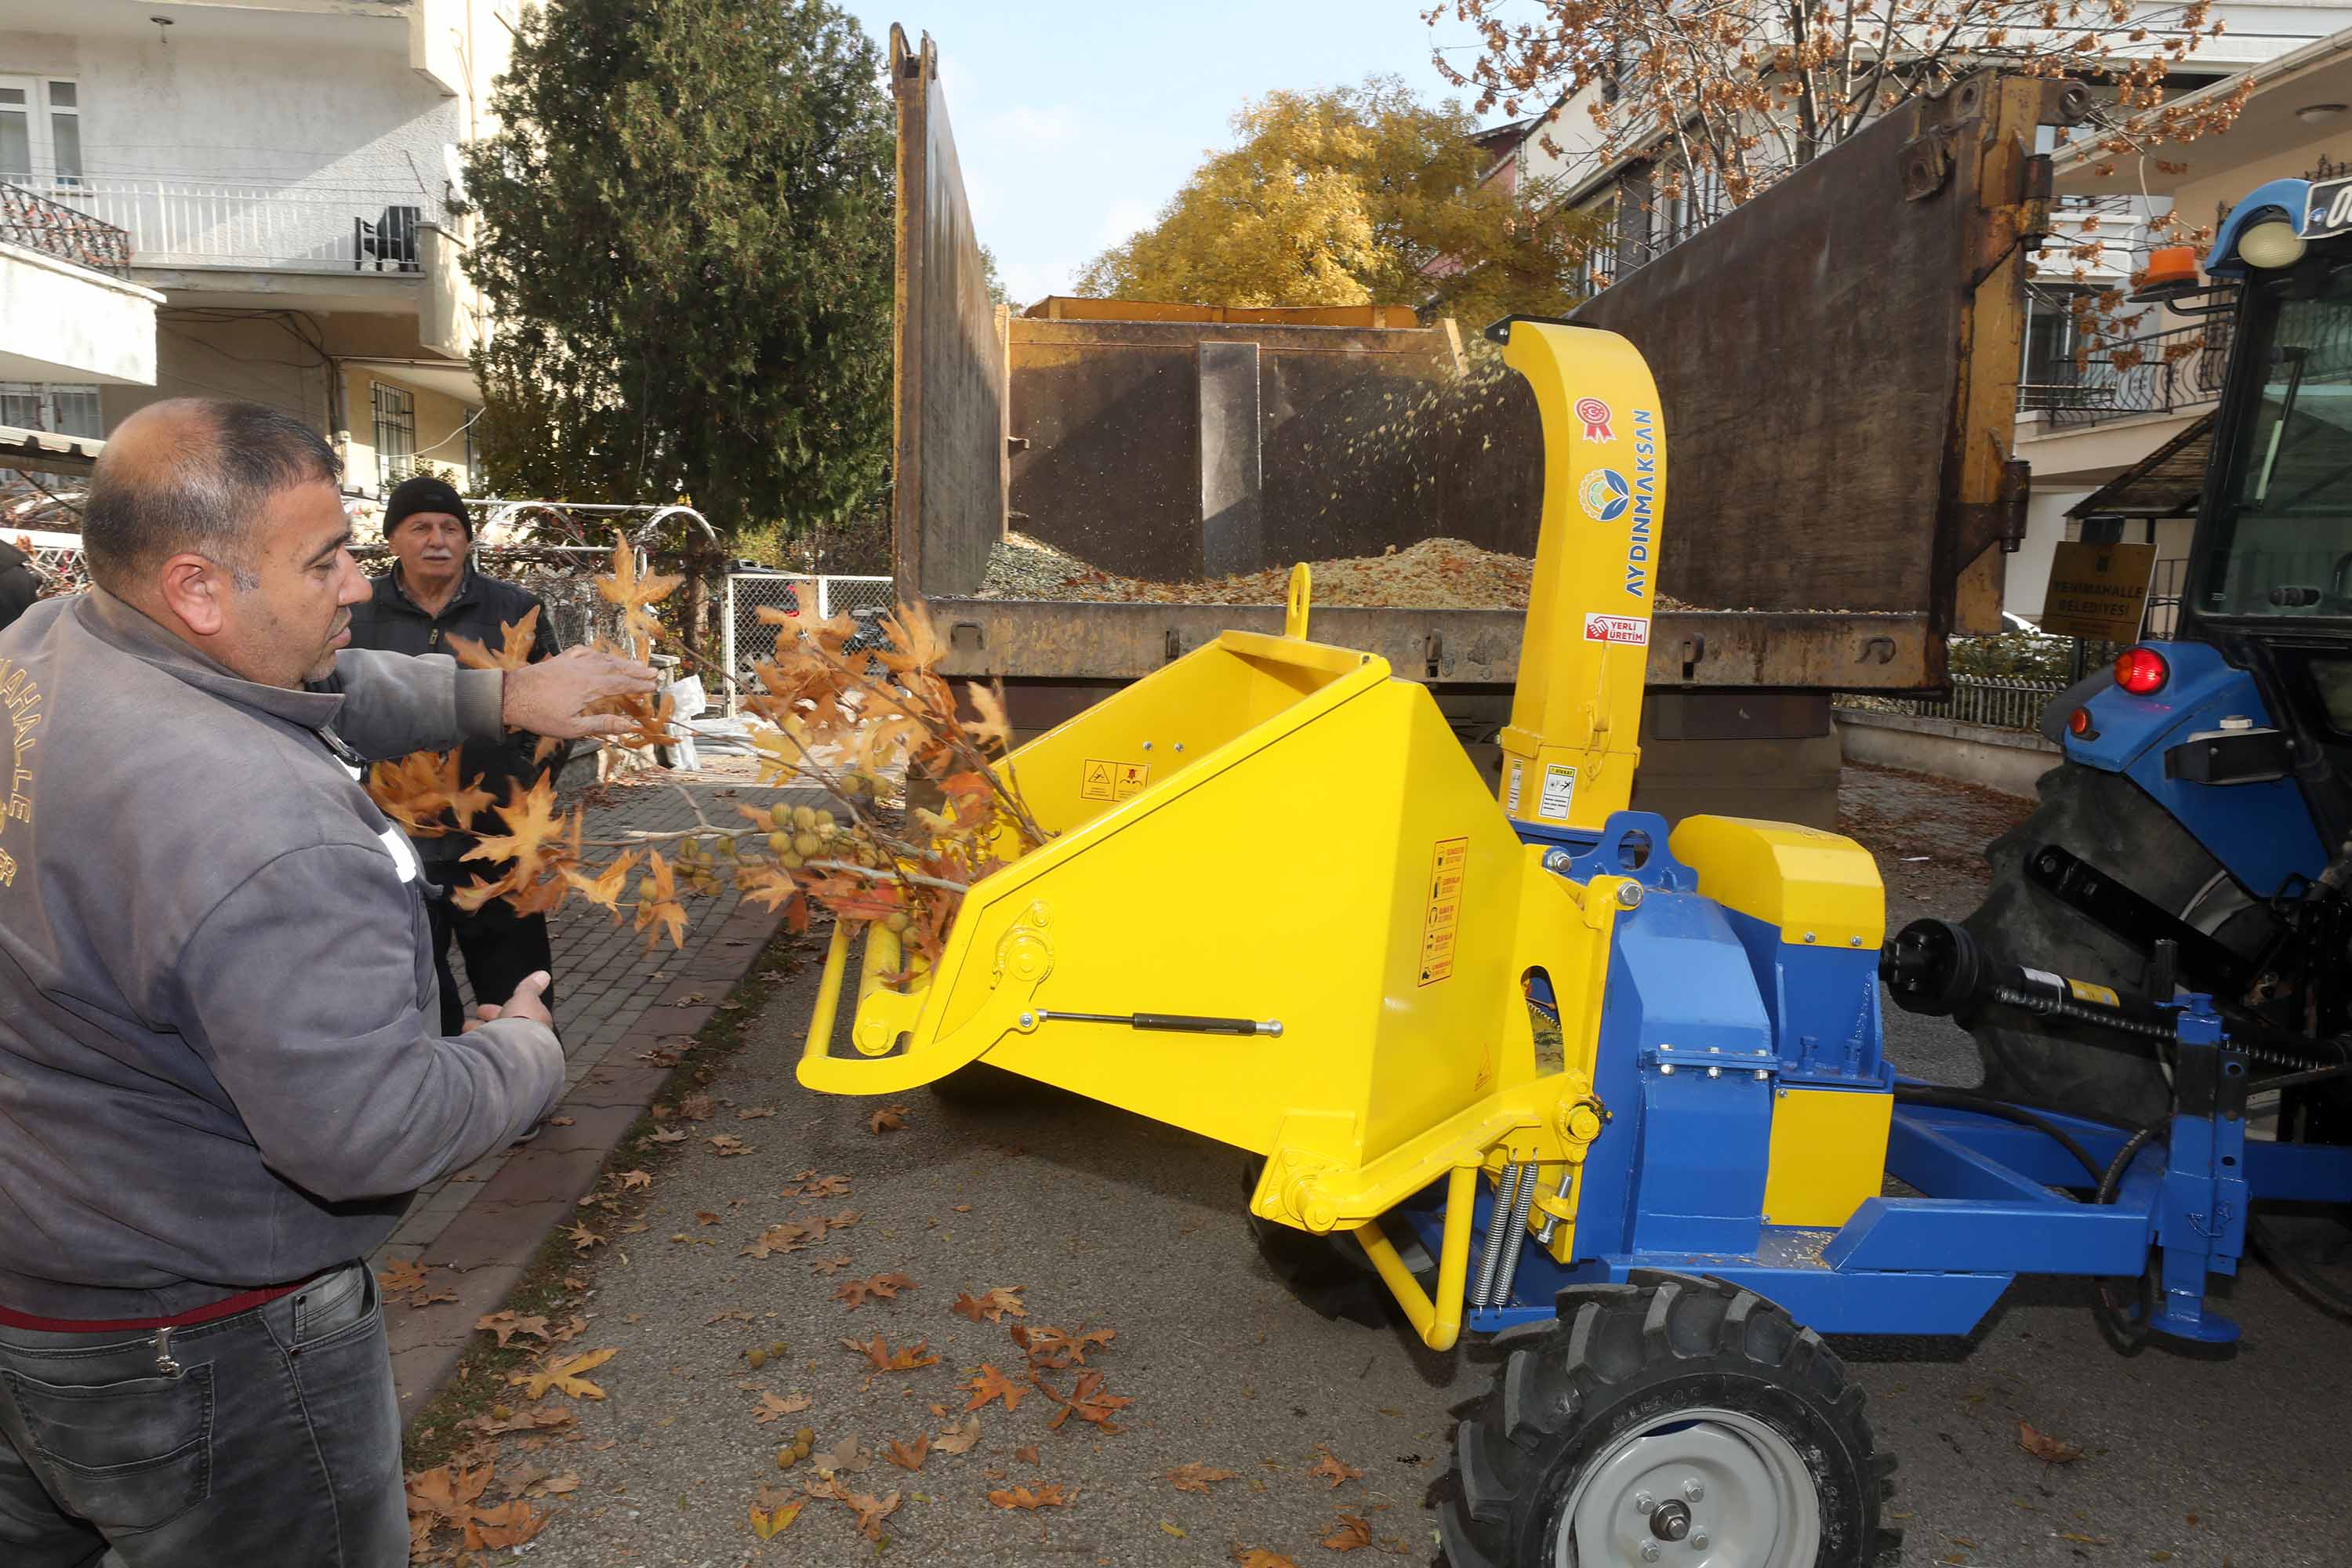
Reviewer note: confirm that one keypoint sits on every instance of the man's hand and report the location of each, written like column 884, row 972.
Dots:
column 524, row 1004
column 546, row 698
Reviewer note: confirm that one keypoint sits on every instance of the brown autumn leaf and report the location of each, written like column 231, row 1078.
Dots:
column 909, row 1456
column 1259, row 1557
column 991, row 728
column 2043, row 1447
column 669, row 1135
column 958, row 1439
column 870, row 1512
column 583, row 1238
column 989, row 1383
column 1027, row 1454
column 631, row 1181
column 513, row 652
column 885, row 1286
column 563, row 1375
column 829, row 1266
column 507, row 1324
column 772, row 1511
column 771, row 1406
column 1088, row 1402
column 885, row 1359
column 889, row 1119
column 789, row 1237
column 1196, row 1478
column 1052, row 1495
column 606, row 887
column 509, row 1525
column 705, row 1217
column 698, row 1108
column 1333, row 1468
column 531, row 821
column 1054, row 1349
column 1352, row 1531
column 400, row 1276
column 810, row 1184
column 755, row 1112
column 993, row 1304
column 444, row 1495
column 727, row 1145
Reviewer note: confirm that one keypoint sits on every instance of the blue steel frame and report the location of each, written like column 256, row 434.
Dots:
column 1998, row 1198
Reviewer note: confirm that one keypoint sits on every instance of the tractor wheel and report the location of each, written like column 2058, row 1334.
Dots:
column 1669, row 1419
column 1330, row 1275
column 2110, row 822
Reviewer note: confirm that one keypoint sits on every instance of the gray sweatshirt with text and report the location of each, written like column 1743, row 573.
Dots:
column 219, row 1059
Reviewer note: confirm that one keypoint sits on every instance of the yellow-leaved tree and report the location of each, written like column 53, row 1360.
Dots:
column 1355, row 196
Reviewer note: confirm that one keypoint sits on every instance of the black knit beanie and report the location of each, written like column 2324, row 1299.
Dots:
column 426, row 493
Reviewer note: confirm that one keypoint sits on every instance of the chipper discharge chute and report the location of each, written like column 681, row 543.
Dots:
column 1544, row 1061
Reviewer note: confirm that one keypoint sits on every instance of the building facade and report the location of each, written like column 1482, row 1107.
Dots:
column 287, row 174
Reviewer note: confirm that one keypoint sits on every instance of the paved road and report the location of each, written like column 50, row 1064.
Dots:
column 1108, row 1221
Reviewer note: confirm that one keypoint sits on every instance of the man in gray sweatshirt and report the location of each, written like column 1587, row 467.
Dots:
column 222, row 1072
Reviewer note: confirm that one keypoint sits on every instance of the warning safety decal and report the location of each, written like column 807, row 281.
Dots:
column 1440, row 922
column 1099, row 780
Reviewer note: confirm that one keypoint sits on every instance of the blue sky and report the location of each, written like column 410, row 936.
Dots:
column 1075, row 121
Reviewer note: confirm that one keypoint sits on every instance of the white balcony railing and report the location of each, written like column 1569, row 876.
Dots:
column 301, row 228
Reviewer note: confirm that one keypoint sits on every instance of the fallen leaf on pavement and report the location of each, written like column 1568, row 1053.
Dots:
column 537, row 1419
column 771, row 1406
column 829, row 1266
column 885, row 1359
column 443, row 1496
column 2042, row 1446
column 1049, row 1496
column 669, row 1135
column 704, row 1217
column 498, row 1528
column 1167, row 1529
column 958, row 1439
column 1196, row 1478
column 909, row 1457
column 697, row 1107
column 1088, row 1402
column 505, row 1325
column 1259, row 1557
column 583, row 1238
column 1351, row 1533
column 889, row 1119
column 870, row 1512
column 728, row 1145
column 1026, row 1454
column 963, row 1208
column 561, row 1121
column 1054, row 1349
column 563, row 1375
column 633, row 1180
column 771, row 1512
column 1332, row 1467
column 789, row 1237
column 857, row 1292
column 993, row 1305
column 843, row 1457
column 754, row 1113
column 739, row 1314
column 811, row 1185
column 990, row 1384
column 400, row 1276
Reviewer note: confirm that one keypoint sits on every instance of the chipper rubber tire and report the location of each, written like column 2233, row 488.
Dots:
column 1329, row 1275
column 2110, row 822
column 1700, row 1398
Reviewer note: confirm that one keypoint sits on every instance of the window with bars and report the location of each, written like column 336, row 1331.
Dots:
column 395, row 432
column 40, row 131
column 63, row 409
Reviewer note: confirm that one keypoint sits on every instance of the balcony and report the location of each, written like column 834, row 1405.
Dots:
column 61, row 233
column 2164, row 373
column 253, row 228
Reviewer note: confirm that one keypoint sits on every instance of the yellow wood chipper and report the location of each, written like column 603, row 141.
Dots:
column 1559, row 1073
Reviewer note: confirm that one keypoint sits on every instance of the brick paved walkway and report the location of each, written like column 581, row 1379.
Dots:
column 615, row 999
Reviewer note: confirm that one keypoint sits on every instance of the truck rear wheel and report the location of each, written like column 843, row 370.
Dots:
column 2110, row 822
column 1670, row 1420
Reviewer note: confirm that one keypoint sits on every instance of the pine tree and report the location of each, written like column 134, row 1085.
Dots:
column 685, row 232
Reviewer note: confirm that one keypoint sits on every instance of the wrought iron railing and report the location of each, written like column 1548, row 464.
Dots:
column 1974, row 699
column 2160, row 374
column 53, row 228
column 297, row 228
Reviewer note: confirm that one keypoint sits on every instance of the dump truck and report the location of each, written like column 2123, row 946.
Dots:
column 1611, row 1090
column 1851, row 493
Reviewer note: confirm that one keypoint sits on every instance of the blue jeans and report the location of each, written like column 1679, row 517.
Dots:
column 271, row 1436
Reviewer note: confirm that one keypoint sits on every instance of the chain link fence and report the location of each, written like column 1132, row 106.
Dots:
column 746, row 639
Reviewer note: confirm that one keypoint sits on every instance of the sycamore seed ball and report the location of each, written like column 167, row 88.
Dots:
column 646, row 892
column 898, row 921
column 757, row 1357
column 781, row 815
column 779, row 843
column 804, row 818
column 825, row 822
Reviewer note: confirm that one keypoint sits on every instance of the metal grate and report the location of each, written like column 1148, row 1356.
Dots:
column 55, row 229
column 747, row 640
column 1974, row 699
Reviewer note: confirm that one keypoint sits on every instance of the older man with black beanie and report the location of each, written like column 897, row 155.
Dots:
column 433, row 593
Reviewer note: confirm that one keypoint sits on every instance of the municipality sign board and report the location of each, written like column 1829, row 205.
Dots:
column 2097, row 591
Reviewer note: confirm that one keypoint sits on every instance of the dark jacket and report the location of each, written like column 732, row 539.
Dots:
column 18, row 586
column 221, row 1063
column 481, row 610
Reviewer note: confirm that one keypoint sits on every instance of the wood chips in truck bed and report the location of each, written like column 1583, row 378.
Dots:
column 1435, row 574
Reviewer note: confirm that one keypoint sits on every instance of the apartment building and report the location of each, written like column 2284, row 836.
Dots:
column 285, row 174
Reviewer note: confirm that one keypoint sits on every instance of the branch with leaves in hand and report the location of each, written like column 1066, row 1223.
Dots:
column 843, row 717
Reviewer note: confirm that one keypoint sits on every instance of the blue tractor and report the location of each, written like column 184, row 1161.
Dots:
column 2204, row 814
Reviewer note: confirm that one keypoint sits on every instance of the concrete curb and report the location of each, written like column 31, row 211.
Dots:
column 2010, row 761
column 493, row 1239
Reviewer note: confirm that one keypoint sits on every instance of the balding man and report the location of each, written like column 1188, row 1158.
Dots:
column 221, row 1066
